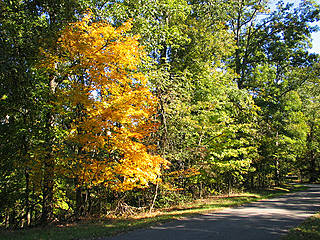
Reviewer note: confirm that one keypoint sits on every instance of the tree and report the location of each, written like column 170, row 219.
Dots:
column 189, row 42
column 308, row 161
column 25, row 94
column 109, row 107
column 272, row 53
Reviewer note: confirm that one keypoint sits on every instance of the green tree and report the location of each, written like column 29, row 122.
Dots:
column 271, row 59
column 189, row 43
column 308, row 163
column 26, row 110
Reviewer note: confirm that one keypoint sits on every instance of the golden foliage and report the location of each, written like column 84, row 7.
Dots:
column 110, row 104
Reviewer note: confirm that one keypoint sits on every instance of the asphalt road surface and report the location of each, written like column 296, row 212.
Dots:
column 263, row 220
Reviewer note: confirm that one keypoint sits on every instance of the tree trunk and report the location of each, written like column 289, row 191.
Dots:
column 47, row 190
column 277, row 163
column 27, row 203
column 79, row 202
column 229, row 186
column 313, row 171
column 313, row 175
column 49, row 163
column 155, row 197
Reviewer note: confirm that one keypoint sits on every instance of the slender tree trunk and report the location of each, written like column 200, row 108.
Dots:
column 47, row 190
column 79, row 202
column 313, row 175
column 31, row 212
column 155, row 197
column 277, row 163
column 313, row 171
column 229, row 186
column 49, row 162
column 164, row 136
column 88, row 201
column 27, row 203
column 25, row 156
column 7, row 218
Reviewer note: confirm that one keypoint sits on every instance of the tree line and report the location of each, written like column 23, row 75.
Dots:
column 123, row 105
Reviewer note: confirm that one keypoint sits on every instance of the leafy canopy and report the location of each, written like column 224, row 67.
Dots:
column 109, row 102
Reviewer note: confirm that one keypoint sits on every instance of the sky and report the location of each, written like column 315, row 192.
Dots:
column 316, row 42
column 315, row 36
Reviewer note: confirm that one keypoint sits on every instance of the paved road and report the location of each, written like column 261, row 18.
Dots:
column 263, row 220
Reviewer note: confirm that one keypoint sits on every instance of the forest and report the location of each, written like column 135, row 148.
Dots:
column 140, row 104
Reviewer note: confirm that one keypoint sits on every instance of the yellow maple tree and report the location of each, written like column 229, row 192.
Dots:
column 109, row 103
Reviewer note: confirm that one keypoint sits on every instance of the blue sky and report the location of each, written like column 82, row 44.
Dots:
column 316, row 42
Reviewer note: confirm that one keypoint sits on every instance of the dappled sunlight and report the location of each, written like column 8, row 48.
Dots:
column 264, row 219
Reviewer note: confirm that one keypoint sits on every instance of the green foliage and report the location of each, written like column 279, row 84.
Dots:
column 238, row 105
column 103, row 227
column 25, row 103
column 309, row 229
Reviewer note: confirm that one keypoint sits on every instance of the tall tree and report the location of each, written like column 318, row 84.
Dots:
column 271, row 52
column 111, row 105
column 189, row 42
column 25, row 94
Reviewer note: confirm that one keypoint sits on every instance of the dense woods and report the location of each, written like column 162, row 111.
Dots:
column 128, row 105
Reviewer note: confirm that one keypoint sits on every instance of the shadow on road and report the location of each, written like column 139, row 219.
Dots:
column 263, row 220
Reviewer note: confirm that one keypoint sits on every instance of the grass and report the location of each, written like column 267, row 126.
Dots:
column 90, row 229
column 309, row 229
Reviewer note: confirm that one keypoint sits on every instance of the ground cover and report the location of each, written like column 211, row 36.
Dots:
column 107, row 226
column 309, row 229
